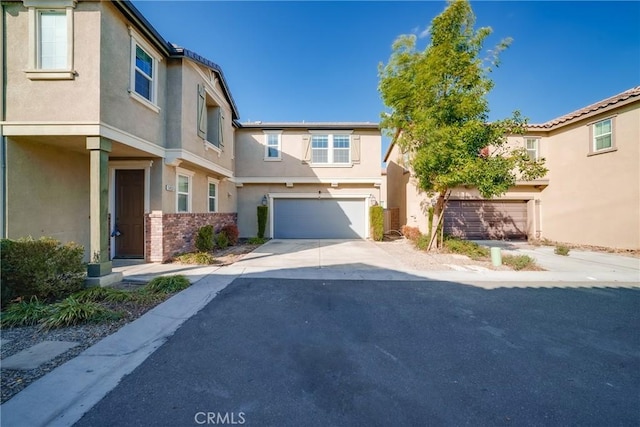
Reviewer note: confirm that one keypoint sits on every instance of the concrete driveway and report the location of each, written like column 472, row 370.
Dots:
column 303, row 253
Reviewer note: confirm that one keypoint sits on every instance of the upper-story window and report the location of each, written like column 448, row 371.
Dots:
column 51, row 39
column 144, row 72
column 273, row 145
column 330, row 149
column 211, row 121
column 603, row 135
column 532, row 145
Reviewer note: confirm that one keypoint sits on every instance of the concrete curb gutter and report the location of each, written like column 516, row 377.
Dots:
column 61, row 397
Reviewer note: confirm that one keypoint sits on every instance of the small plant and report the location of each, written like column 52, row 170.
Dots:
column 222, row 241
column 232, row 233
column 257, row 241
column 204, row 239
column 167, row 284
column 561, row 250
column 465, row 247
column 263, row 212
column 376, row 217
column 519, row 262
column 70, row 311
column 411, row 233
column 25, row 313
column 99, row 294
column 201, row 258
column 422, row 242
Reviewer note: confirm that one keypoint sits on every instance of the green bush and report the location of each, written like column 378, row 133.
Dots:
column 232, row 233
column 262, row 220
column 43, row 268
column 99, row 294
column 519, row 262
column 422, row 242
column 465, row 247
column 376, row 217
column 202, row 258
column 70, row 311
column 167, row 284
column 222, row 241
column 561, row 250
column 204, row 239
column 257, row 241
column 25, row 313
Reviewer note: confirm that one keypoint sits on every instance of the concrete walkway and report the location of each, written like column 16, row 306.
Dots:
column 70, row 390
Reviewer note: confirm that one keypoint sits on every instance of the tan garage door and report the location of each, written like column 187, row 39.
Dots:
column 479, row 219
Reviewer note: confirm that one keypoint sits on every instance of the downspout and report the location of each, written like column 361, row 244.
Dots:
column 3, row 117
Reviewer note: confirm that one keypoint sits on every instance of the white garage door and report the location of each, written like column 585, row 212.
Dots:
column 479, row 219
column 319, row 218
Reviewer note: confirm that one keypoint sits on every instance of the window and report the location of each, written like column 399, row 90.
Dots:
column 272, row 145
column 213, row 195
column 210, row 119
column 602, row 135
column 532, row 148
column 331, row 149
column 50, row 39
column 183, row 190
column 144, row 72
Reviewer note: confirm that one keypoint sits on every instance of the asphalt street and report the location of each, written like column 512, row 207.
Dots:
column 349, row 353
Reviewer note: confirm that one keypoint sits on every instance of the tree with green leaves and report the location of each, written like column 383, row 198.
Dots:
column 438, row 112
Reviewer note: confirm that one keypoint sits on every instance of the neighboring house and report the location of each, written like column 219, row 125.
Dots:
column 590, row 196
column 318, row 179
column 118, row 140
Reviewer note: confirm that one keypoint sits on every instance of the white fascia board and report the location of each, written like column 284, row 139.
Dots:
column 49, row 128
column 126, row 138
column 177, row 154
column 307, row 180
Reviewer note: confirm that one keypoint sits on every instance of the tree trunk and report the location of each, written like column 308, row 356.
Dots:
column 438, row 217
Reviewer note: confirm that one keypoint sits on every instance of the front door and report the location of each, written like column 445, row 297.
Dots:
column 129, row 213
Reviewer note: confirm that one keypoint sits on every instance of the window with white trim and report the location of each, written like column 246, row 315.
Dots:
column 213, row 195
column 603, row 135
column 50, row 39
column 330, row 149
column 143, row 85
column 183, row 192
column 532, row 146
column 273, row 145
column 211, row 123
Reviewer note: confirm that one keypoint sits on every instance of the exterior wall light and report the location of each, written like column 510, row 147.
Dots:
column 264, row 200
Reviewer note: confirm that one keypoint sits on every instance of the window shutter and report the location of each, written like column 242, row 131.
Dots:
column 220, row 128
column 355, row 148
column 306, row 149
column 202, row 112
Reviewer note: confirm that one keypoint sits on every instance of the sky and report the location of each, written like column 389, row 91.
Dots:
column 317, row 61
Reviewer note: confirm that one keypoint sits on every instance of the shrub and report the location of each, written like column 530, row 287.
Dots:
column 422, row 242
column 257, row 241
column 222, row 241
column 70, row 311
column 25, row 313
column 98, row 294
column 411, row 233
column 465, row 247
column 167, row 284
column 43, row 268
column 561, row 250
column 232, row 233
column 204, row 239
column 203, row 258
column 376, row 216
column 262, row 220
column 519, row 262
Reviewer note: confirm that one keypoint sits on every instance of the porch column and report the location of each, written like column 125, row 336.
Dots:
column 99, row 209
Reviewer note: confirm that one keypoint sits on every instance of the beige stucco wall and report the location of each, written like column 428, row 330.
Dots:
column 118, row 108
column 47, row 192
column 250, row 156
column 250, row 196
column 594, row 200
column 76, row 100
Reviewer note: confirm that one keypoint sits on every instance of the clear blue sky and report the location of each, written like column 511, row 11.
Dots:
column 318, row 61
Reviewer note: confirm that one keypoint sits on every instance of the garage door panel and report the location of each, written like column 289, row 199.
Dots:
column 486, row 219
column 319, row 218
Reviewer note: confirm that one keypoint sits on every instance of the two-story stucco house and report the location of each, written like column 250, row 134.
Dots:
column 118, row 140
column 590, row 196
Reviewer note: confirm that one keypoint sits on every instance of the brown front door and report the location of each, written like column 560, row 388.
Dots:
column 130, row 213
